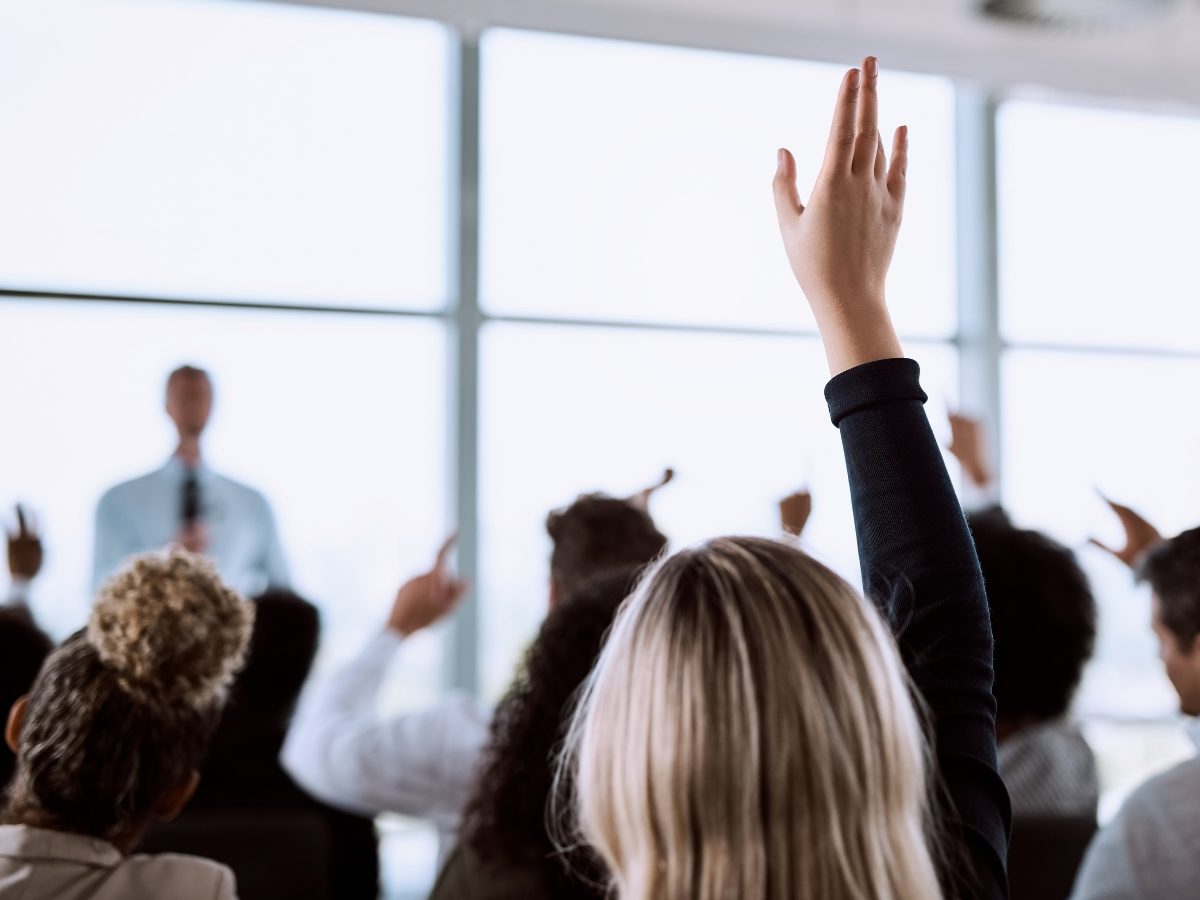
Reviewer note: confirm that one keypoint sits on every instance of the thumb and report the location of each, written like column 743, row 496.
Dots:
column 787, row 198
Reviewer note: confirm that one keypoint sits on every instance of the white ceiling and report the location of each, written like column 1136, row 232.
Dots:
column 1157, row 60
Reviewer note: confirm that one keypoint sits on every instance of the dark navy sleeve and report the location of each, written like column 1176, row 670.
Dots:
column 920, row 569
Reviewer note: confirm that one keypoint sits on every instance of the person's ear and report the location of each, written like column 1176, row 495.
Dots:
column 16, row 721
column 1192, row 650
column 171, row 803
column 554, row 598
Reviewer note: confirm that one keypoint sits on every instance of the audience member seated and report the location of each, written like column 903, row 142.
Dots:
column 243, row 772
column 23, row 648
column 1149, row 851
column 424, row 763
column 748, row 731
column 112, row 734
column 1044, row 622
column 506, row 850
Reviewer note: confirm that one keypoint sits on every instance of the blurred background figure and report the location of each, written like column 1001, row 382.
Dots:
column 187, row 503
column 425, row 762
column 23, row 649
column 247, row 812
column 1044, row 626
column 508, row 850
column 25, row 556
column 1149, row 850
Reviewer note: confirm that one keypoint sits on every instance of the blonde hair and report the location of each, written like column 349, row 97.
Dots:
column 124, row 709
column 748, row 733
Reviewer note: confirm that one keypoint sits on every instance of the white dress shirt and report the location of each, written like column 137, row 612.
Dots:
column 37, row 864
column 1151, row 850
column 144, row 514
column 420, row 764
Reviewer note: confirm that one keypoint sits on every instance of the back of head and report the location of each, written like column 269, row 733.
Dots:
column 1172, row 570
column 122, row 712
column 1043, row 618
column 506, row 821
column 23, row 649
column 748, row 732
column 287, row 630
column 598, row 534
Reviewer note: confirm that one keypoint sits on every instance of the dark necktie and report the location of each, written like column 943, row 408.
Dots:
column 190, row 505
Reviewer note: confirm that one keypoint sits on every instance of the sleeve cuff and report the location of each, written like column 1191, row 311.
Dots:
column 872, row 384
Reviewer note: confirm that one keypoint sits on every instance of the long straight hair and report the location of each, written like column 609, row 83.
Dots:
column 748, row 733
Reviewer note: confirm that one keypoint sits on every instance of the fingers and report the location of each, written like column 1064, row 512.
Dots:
column 839, row 154
column 867, row 149
column 787, row 198
column 443, row 554
column 897, row 178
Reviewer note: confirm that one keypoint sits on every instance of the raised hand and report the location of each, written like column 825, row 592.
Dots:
column 840, row 245
column 794, row 510
column 966, row 445
column 428, row 598
column 641, row 500
column 1140, row 535
column 24, row 548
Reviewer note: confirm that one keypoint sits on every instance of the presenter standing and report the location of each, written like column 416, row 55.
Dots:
column 188, row 504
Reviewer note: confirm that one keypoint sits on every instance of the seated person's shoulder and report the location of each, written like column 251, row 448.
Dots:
column 1173, row 794
column 178, row 876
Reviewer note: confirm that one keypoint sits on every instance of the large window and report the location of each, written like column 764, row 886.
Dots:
column 216, row 149
column 633, row 185
column 567, row 410
column 633, row 308
column 632, row 182
column 1095, row 280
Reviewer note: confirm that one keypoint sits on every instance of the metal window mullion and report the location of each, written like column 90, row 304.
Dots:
column 979, row 340
column 462, row 670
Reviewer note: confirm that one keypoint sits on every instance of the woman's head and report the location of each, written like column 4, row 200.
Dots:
column 505, row 821
column 120, row 715
column 748, row 732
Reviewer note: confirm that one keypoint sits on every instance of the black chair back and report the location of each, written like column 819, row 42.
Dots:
column 1044, row 856
column 276, row 853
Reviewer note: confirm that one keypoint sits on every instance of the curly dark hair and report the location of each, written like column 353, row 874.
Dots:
column 506, row 819
column 598, row 534
column 1172, row 570
column 1043, row 618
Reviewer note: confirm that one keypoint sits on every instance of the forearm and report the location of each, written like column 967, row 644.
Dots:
column 919, row 566
column 918, row 560
column 856, row 333
column 331, row 709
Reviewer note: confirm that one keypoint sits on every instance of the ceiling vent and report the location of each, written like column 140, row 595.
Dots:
column 1075, row 13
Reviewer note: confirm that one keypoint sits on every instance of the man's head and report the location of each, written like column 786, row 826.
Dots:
column 597, row 534
column 1043, row 619
column 189, row 400
column 1172, row 570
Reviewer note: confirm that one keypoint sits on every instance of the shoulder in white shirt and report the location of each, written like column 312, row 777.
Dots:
column 39, row 864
